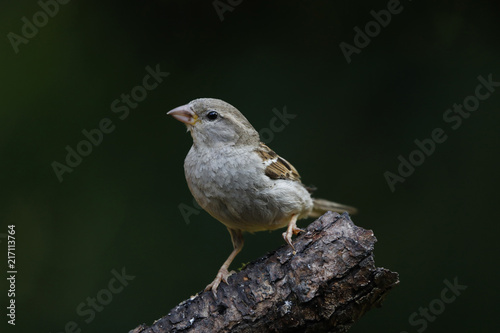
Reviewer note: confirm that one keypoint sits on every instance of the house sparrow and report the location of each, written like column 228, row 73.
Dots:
column 239, row 180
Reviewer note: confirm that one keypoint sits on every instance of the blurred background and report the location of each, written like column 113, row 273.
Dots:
column 119, row 210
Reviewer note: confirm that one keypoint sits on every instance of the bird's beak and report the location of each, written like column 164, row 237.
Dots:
column 184, row 114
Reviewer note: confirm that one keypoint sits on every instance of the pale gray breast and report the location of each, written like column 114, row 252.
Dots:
column 231, row 185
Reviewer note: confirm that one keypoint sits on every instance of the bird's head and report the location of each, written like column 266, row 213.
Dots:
column 215, row 123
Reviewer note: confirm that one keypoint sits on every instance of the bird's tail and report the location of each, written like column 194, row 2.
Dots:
column 321, row 206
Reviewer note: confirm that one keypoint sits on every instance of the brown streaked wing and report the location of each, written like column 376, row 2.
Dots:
column 277, row 167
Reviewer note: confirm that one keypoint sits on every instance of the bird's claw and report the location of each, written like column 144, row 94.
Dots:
column 292, row 230
column 221, row 276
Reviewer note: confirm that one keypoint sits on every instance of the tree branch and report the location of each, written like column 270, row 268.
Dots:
column 325, row 287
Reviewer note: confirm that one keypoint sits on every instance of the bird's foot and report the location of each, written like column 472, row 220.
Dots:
column 222, row 275
column 292, row 230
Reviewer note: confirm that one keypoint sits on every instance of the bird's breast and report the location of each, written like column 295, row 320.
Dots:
column 221, row 173
column 231, row 185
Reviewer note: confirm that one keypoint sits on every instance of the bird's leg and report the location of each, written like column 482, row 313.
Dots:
column 292, row 229
column 223, row 274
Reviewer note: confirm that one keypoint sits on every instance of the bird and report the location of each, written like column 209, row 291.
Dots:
column 239, row 180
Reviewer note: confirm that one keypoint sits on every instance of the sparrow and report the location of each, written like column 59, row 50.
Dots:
column 239, row 180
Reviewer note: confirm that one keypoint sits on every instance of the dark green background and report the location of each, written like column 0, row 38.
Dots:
column 119, row 207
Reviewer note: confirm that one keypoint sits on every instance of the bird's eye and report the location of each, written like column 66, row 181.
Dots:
column 212, row 115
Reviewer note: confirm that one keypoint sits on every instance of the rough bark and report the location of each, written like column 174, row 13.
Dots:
column 325, row 287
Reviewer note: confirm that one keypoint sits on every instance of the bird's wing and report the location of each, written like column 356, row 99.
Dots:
column 276, row 166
